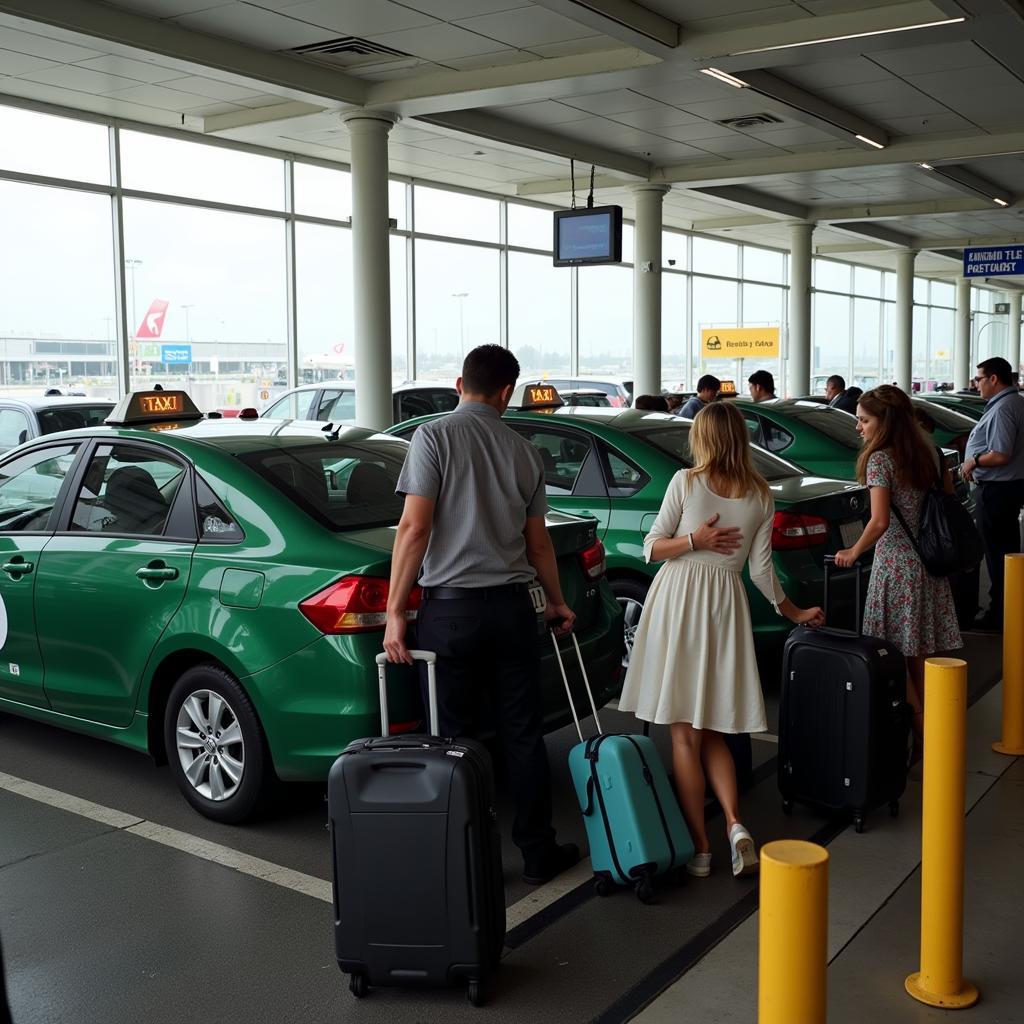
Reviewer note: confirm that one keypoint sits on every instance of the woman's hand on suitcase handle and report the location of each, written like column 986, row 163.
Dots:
column 722, row 540
column 813, row 617
column 846, row 558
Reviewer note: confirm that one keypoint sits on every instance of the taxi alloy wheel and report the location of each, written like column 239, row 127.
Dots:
column 215, row 745
column 631, row 596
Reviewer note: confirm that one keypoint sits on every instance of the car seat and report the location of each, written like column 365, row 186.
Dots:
column 369, row 484
column 134, row 498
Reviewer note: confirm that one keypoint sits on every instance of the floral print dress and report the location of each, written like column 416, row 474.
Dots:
column 905, row 605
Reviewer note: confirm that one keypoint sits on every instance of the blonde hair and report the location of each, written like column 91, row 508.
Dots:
column 720, row 445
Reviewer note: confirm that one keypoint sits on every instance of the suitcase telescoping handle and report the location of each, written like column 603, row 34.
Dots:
column 586, row 682
column 431, row 659
column 858, row 570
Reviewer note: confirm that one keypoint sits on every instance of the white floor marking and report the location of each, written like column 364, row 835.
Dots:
column 544, row 895
column 66, row 802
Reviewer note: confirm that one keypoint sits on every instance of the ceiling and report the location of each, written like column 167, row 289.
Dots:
column 498, row 95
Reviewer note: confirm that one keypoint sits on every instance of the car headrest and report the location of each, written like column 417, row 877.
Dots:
column 369, row 484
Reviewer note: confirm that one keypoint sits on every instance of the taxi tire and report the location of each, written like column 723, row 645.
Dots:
column 258, row 776
column 627, row 590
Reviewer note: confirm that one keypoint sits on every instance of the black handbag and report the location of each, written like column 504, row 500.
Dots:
column 947, row 540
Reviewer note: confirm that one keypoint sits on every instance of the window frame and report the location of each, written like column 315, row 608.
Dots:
column 613, row 489
column 32, row 429
column 79, row 445
column 566, row 433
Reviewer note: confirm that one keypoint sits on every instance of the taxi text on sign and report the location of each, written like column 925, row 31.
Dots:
column 993, row 262
column 739, row 342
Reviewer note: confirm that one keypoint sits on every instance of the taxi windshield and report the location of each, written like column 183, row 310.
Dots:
column 676, row 441
column 343, row 486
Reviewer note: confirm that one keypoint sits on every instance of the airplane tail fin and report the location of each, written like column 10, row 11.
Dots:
column 152, row 325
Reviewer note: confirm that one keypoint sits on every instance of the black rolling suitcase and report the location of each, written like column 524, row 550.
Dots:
column 844, row 725
column 418, row 890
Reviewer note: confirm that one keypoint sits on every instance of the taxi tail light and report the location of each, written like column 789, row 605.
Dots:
column 355, row 604
column 593, row 561
column 792, row 531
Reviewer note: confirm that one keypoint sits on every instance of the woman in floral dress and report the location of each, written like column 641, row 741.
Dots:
column 905, row 605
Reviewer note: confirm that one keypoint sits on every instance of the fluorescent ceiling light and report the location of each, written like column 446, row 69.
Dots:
column 967, row 181
column 926, row 167
column 852, row 35
column 870, row 142
column 724, row 76
column 999, row 202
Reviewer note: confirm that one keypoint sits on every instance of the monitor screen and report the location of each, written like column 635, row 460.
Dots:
column 588, row 236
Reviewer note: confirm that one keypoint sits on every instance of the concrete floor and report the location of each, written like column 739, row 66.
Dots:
column 101, row 923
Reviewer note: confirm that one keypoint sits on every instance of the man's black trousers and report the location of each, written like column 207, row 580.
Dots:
column 999, row 505
column 490, row 645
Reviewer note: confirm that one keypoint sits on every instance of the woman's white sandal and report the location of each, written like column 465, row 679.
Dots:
column 699, row 865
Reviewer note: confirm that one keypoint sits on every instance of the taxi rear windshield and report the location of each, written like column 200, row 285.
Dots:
column 833, row 423
column 73, row 417
column 676, row 441
column 341, row 486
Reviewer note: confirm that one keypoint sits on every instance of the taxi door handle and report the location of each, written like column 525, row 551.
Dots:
column 17, row 568
column 150, row 572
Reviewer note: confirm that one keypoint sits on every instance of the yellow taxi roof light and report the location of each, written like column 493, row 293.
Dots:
column 143, row 407
column 536, row 395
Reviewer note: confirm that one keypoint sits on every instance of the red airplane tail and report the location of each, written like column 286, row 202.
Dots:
column 152, row 325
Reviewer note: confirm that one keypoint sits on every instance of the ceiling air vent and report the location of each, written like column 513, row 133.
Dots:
column 350, row 51
column 749, row 121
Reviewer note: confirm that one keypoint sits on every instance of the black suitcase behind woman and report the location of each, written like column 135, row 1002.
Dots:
column 844, row 726
column 418, row 890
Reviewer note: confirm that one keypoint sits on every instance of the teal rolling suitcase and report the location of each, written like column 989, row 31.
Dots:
column 634, row 825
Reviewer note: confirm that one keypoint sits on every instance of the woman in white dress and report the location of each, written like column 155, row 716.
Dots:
column 693, row 666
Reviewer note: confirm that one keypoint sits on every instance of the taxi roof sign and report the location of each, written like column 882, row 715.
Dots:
column 536, row 395
column 143, row 407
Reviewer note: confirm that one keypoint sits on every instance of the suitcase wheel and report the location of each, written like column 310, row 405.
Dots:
column 644, row 890
column 787, row 807
column 603, row 885
column 476, row 993
column 357, row 985
column 894, row 808
column 858, row 823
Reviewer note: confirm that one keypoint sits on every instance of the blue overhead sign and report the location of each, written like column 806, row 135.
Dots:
column 176, row 353
column 993, row 262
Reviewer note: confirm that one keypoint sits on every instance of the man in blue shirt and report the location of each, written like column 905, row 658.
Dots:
column 994, row 460
column 707, row 392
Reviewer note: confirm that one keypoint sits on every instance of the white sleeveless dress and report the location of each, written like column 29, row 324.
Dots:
column 693, row 654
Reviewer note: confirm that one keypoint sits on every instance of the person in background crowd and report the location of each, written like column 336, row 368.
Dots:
column 761, row 385
column 675, row 401
column 841, row 397
column 651, row 403
column 693, row 665
column 994, row 460
column 924, row 420
column 473, row 532
column 905, row 605
column 707, row 392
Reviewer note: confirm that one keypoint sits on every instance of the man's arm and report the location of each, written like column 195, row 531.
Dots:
column 540, row 553
column 411, row 540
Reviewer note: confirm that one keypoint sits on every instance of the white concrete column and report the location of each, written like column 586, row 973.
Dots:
column 1013, row 354
column 799, row 342
column 904, row 348
column 962, row 348
column 371, row 265
column 647, row 288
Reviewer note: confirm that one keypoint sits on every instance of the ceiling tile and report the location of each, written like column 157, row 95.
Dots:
column 138, row 70
column 12, row 63
column 39, row 46
column 527, row 27
column 215, row 108
column 168, row 8
column 655, row 118
column 735, row 145
column 360, row 18
column 160, row 97
column 696, row 132
column 453, row 10
column 500, row 58
column 209, row 87
column 438, row 42
column 926, row 124
column 245, row 23
column 617, row 101
column 849, row 71
column 70, row 76
column 574, row 47
column 263, row 100
column 540, row 112
column 922, row 59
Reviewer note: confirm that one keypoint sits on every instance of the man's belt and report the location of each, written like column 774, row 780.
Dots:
column 474, row 593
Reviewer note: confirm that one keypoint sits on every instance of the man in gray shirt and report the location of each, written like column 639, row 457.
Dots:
column 707, row 392
column 994, row 460
column 473, row 531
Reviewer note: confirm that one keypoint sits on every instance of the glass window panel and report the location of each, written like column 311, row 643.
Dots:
column 673, row 247
column 326, row 324
column 606, row 320
column 867, row 282
column 831, row 339
column 888, row 342
column 29, row 485
column 762, row 305
column 57, row 315
column 539, row 314
column 399, row 314
column 921, row 291
column 941, row 333
column 713, row 257
column 530, row 226
column 831, row 276
column 763, row 265
column 627, row 243
column 457, row 305
column 943, row 294
column 889, row 284
column 153, row 163
column 674, row 348
column 56, row 146
column 983, row 299
column 323, row 191
column 439, row 212
column 220, row 280
column 919, row 344
column 867, row 327
column 396, row 204
column 715, row 304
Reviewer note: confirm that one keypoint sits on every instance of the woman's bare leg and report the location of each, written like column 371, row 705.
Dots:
column 689, row 779
column 721, row 772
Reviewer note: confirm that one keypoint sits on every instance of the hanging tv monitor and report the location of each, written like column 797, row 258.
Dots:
column 588, row 236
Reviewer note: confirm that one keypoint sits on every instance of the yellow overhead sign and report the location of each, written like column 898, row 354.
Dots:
column 739, row 342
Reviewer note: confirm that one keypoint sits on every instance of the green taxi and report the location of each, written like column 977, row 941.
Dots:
column 616, row 464
column 213, row 593
column 968, row 405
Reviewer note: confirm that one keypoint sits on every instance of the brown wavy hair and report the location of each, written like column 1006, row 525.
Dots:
column 899, row 435
column 720, row 446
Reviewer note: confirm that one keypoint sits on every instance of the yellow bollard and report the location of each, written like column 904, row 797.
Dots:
column 793, row 937
column 940, row 982
column 1013, row 659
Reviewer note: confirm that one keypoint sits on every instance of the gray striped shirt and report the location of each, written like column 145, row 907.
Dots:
column 486, row 481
